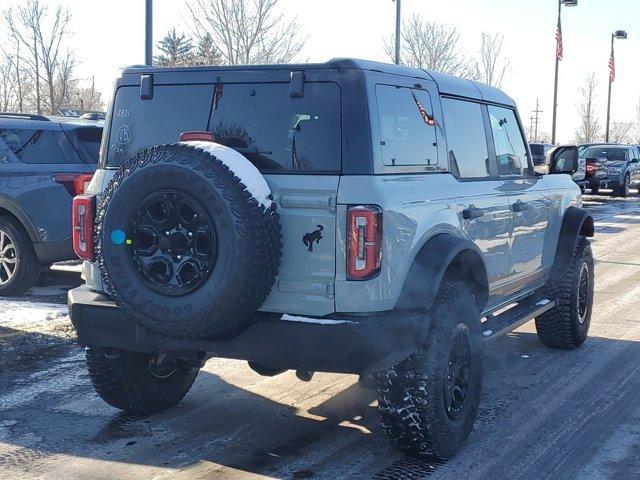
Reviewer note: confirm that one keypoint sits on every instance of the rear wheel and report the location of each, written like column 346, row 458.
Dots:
column 19, row 267
column 139, row 383
column 428, row 403
column 595, row 190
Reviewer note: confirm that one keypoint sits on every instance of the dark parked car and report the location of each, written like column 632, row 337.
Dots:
column 539, row 153
column 623, row 167
column 44, row 163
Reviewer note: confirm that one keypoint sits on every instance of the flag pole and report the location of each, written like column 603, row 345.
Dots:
column 606, row 137
column 398, row 30
column 555, row 85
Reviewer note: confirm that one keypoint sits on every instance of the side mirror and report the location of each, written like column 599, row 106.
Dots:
column 563, row 159
column 634, row 160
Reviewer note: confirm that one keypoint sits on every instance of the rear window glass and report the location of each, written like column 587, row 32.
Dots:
column 537, row 149
column 276, row 132
column 611, row 154
column 33, row 146
column 138, row 124
column 86, row 141
column 279, row 133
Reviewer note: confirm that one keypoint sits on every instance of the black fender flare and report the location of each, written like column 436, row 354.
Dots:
column 576, row 222
column 10, row 205
column 441, row 255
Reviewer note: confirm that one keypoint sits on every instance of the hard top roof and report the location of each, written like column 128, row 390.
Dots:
column 447, row 84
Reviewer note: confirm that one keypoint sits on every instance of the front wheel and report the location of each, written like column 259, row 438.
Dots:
column 428, row 402
column 136, row 382
column 567, row 324
column 623, row 190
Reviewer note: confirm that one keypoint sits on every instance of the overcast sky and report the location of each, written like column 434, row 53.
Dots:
column 110, row 34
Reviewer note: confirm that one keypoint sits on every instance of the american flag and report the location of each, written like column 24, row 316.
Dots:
column 559, row 46
column 612, row 66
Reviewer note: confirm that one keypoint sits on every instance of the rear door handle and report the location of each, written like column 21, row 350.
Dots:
column 472, row 212
column 521, row 206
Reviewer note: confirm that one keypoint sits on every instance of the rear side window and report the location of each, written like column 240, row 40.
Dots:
column 86, row 142
column 138, row 124
column 406, row 135
column 466, row 139
column 511, row 150
column 279, row 133
column 33, row 146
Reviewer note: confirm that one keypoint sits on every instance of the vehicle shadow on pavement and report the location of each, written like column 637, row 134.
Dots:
column 274, row 427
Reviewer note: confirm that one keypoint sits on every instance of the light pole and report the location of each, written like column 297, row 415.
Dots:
column 559, row 55
column 148, row 33
column 620, row 35
column 398, row 29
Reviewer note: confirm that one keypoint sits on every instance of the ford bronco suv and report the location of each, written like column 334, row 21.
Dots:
column 349, row 217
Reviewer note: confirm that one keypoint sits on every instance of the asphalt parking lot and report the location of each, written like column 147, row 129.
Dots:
column 544, row 413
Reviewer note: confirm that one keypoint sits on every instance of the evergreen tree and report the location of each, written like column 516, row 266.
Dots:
column 176, row 50
column 206, row 52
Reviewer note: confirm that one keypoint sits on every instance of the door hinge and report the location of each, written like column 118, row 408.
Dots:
column 332, row 203
column 331, row 290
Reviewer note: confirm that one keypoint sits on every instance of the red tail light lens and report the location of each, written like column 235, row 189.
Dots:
column 82, row 221
column 591, row 167
column 196, row 136
column 364, row 242
column 75, row 183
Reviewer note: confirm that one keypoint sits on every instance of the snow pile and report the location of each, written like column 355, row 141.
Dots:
column 13, row 314
column 242, row 168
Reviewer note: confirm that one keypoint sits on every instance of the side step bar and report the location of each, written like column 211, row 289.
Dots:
column 516, row 316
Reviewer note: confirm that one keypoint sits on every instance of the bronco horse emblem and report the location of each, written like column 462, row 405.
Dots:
column 311, row 237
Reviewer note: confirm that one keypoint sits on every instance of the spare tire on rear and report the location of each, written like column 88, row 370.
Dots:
column 188, row 239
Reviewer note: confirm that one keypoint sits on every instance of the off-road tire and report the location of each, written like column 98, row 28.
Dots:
column 124, row 380
column 595, row 190
column 249, row 244
column 411, row 395
column 563, row 326
column 27, row 267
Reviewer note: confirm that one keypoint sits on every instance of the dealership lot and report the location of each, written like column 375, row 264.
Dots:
column 544, row 413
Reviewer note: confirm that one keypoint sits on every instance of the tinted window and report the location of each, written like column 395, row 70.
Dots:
column 406, row 137
column 611, row 154
column 277, row 132
column 86, row 142
column 466, row 139
column 138, row 124
column 511, row 150
column 33, row 146
column 537, row 149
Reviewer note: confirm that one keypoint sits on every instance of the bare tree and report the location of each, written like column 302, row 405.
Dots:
column 492, row 65
column 46, row 58
column 589, row 129
column 432, row 46
column 621, row 132
column 246, row 32
column 8, row 85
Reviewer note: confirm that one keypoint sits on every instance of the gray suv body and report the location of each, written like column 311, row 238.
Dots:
column 41, row 162
column 403, row 215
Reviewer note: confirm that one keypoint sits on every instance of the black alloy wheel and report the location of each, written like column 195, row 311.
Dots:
column 173, row 243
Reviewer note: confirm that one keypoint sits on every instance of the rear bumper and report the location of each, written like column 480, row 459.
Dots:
column 342, row 345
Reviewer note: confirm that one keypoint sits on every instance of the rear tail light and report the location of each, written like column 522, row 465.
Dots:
column 82, row 221
column 364, row 242
column 75, row 183
column 591, row 167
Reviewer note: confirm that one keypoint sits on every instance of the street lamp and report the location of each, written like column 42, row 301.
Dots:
column 619, row 35
column 559, row 55
column 398, row 29
column 148, row 33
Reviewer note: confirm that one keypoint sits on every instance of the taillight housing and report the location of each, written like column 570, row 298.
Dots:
column 75, row 183
column 196, row 137
column 83, row 221
column 590, row 167
column 364, row 241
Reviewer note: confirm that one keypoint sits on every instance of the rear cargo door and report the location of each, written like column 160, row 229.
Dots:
column 294, row 138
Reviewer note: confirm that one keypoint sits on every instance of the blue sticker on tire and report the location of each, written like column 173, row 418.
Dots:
column 118, row 237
